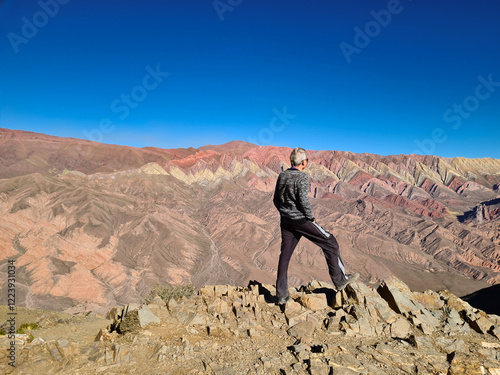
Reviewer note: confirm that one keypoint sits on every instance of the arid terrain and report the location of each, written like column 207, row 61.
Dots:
column 91, row 226
column 223, row 329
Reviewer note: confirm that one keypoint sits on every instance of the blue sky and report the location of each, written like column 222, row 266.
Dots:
column 384, row 77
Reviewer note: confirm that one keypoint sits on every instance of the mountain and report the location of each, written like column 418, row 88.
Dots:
column 92, row 225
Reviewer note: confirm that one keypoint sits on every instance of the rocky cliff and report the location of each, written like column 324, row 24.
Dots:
column 225, row 329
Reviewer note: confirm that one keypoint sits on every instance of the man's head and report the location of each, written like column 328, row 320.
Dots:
column 298, row 158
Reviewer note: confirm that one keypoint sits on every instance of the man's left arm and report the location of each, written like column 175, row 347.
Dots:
column 303, row 198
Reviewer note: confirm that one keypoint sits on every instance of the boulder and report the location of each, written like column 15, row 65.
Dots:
column 303, row 331
column 424, row 321
column 293, row 317
column 364, row 322
column 400, row 328
column 314, row 302
column 291, row 305
column 481, row 325
column 146, row 317
column 398, row 296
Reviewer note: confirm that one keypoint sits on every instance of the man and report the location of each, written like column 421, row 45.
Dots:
column 297, row 220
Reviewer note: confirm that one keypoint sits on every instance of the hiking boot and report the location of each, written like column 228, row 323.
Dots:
column 348, row 279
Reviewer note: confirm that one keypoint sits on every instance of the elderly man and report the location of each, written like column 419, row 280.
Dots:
column 297, row 220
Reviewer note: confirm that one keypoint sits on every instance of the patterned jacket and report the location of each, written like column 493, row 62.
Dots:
column 290, row 196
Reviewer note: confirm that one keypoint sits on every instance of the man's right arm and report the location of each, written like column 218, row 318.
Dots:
column 276, row 195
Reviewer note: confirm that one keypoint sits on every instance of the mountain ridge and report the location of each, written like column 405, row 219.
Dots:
column 143, row 216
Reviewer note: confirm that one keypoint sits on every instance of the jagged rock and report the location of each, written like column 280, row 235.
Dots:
column 161, row 353
column 349, row 325
column 314, row 284
column 293, row 317
column 207, row 290
column 317, row 366
column 422, row 343
column 121, row 355
column 171, row 304
column 377, row 307
column 291, row 305
column 157, row 302
column 333, row 321
column 239, row 332
column 269, row 363
column 429, row 299
column 379, row 357
column 191, row 318
column 301, row 351
column 398, row 296
column 224, row 290
column 337, row 301
column 223, row 307
column 198, row 319
column 490, row 345
column 303, row 331
column 146, row 318
column 380, row 311
column 455, row 303
column 95, row 353
column 359, row 292
column 400, row 328
column 463, row 364
column 340, row 370
column 496, row 332
column 453, row 320
column 397, row 357
column 363, row 321
column 314, row 302
column 481, row 325
column 424, row 321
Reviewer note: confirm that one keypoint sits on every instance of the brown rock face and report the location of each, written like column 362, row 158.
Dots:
column 91, row 225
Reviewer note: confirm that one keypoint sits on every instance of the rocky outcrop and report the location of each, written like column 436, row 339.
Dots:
column 226, row 330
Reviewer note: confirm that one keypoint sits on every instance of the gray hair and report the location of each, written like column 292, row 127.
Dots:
column 298, row 154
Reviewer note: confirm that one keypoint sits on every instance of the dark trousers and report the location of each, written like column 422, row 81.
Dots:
column 290, row 236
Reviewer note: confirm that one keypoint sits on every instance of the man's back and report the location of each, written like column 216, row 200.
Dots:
column 290, row 196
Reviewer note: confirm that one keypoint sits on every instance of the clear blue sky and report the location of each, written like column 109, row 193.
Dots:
column 385, row 77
